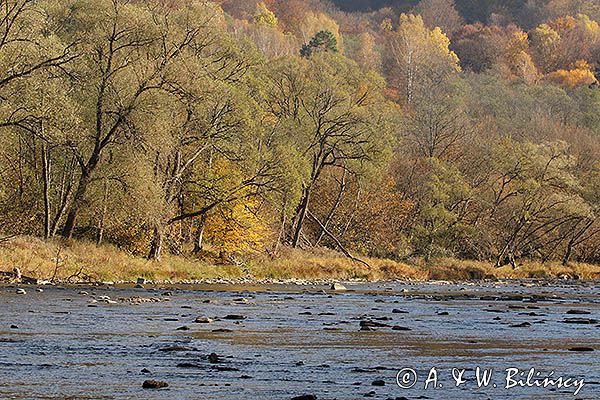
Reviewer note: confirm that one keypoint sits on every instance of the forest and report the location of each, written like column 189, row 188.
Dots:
column 405, row 130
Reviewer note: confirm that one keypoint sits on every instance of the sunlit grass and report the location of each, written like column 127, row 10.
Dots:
column 86, row 261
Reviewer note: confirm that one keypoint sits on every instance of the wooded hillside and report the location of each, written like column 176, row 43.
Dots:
column 434, row 129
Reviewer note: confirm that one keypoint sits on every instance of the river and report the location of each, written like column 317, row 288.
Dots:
column 282, row 341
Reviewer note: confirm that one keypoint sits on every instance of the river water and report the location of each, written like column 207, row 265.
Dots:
column 298, row 340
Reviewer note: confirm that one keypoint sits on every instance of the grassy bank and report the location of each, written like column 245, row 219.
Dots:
column 85, row 261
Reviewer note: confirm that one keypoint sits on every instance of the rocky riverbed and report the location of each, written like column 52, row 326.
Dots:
column 287, row 341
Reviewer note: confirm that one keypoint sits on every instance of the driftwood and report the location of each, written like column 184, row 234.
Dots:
column 15, row 276
column 7, row 238
column 335, row 239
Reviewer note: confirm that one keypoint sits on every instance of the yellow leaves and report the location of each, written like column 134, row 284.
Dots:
column 416, row 54
column 316, row 22
column 545, row 36
column 386, row 25
column 362, row 92
column 237, row 228
column 581, row 74
column 264, row 16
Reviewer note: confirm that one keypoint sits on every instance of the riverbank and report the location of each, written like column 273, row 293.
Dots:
column 85, row 262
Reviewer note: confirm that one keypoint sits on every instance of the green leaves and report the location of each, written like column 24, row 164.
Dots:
column 323, row 41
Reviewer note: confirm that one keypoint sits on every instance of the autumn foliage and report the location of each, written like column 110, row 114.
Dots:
column 420, row 131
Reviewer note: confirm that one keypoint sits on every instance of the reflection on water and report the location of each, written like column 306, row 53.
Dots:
column 294, row 341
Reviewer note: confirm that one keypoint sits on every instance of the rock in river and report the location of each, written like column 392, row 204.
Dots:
column 400, row 328
column 152, row 384
column 581, row 349
column 338, row 287
column 372, row 324
column 305, row 397
column 580, row 321
column 203, row 320
column 234, row 317
column 20, row 291
column 578, row 312
column 522, row 325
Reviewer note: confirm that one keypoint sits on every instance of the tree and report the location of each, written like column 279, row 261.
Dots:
column 366, row 53
column 417, row 55
column 334, row 115
column 323, row 41
column 533, row 195
column 580, row 75
column 129, row 51
column 36, row 113
column 437, row 123
column 264, row 16
column 545, row 43
column 442, row 203
column 25, row 48
column 440, row 14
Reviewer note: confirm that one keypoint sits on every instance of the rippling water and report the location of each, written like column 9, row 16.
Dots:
column 294, row 341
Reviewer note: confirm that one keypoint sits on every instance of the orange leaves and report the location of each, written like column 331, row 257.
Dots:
column 579, row 75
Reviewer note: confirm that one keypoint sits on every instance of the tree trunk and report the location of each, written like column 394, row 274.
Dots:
column 283, row 220
column 568, row 253
column 100, row 235
column 337, row 242
column 82, row 187
column 301, row 217
column 46, row 182
column 334, row 208
column 69, row 227
column 157, row 244
column 199, row 234
column 66, row 189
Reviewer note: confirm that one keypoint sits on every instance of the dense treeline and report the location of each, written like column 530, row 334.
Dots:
column 234, row 126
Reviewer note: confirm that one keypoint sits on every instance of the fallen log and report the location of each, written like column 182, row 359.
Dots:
column 15, row 276
column 336, row 240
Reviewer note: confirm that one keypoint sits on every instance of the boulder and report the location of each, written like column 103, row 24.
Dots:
column 234, row 317
column 578, row 312
column 400, row 328
column 372, row 324
column 580, row 321
column 152, row 384
column 581, row 349
column 338, row 287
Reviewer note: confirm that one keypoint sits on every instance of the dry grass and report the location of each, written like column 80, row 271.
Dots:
column 453, row 269
column 323, row 264
column 38, row 258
